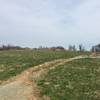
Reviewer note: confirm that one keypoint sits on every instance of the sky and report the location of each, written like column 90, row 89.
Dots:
column 34, row 23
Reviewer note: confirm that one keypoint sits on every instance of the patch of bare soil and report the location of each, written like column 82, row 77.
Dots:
column 95, row 54
column 23, row 86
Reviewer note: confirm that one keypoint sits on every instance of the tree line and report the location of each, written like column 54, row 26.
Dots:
column 60, row 48
column 80, row 48
column 73, row 48
column 8, row 47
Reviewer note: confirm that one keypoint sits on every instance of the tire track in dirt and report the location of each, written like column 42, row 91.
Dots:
column 23, row 86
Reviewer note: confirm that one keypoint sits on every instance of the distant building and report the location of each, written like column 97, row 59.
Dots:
column 96, row 48
column 58, row 48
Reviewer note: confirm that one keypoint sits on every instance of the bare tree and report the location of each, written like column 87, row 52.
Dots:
column 72, row 48
column 81, row 48
column 92, row 49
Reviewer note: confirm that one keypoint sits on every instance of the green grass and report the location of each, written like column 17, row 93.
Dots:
column 76, row 80
column 13, row 62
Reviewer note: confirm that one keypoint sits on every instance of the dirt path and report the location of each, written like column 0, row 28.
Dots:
column 23, row 86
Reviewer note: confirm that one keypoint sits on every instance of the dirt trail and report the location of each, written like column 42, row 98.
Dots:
column 23, row 86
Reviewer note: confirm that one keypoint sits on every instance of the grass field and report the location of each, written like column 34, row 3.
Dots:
column 13, row 62
column 76, row 80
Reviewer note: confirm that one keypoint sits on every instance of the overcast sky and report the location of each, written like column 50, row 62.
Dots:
column 50, row 22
